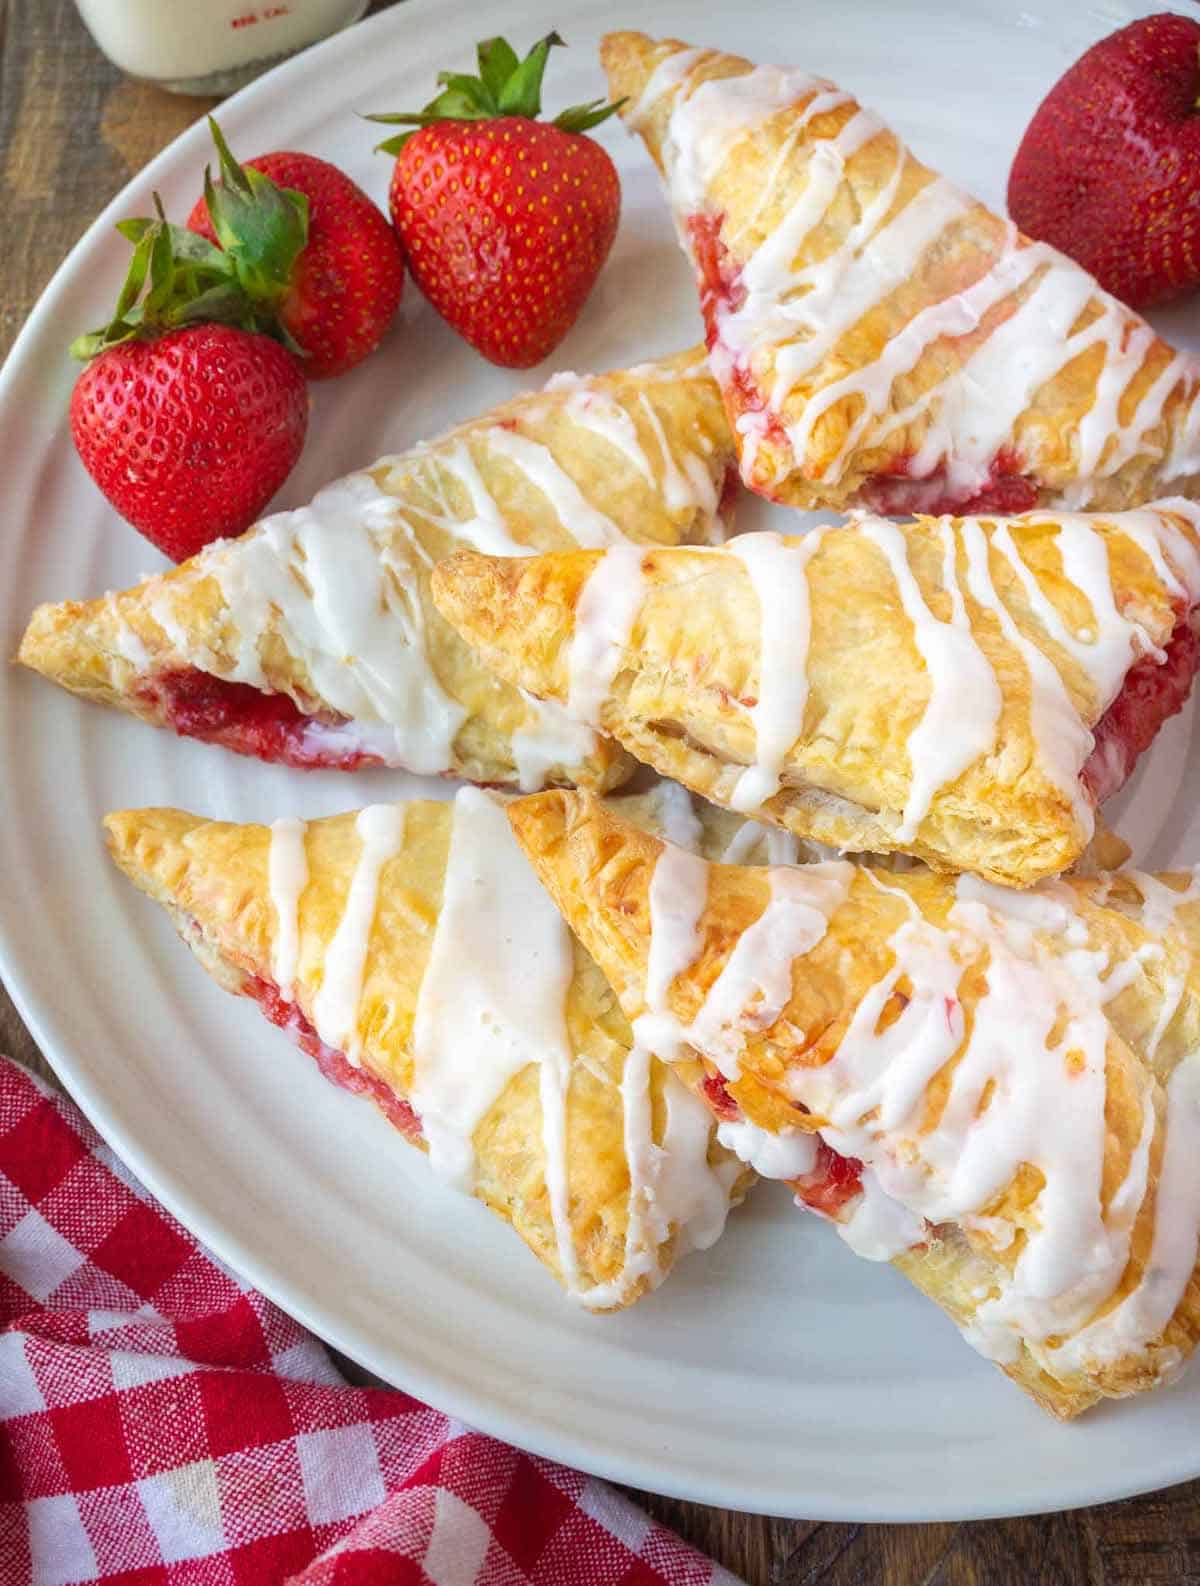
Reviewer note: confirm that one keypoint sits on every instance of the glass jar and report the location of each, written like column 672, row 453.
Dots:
column 209, row 46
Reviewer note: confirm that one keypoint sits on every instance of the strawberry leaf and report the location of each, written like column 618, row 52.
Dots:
column 175, row 277
column 522, row 93
column 472, row 90
column 582, row 118
column 261, row 227
column 506, row 86
column 393, row 145
column 497, row 62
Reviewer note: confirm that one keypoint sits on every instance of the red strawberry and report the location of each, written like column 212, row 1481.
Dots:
column 336, row 293
column 190, row 434
column 1109, row 169
column 506, row 220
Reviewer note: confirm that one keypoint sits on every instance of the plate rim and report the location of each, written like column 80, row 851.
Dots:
column 530, row 1431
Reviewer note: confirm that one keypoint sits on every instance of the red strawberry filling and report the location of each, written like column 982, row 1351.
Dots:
column 833, row 1183
column 333, row 1064
column 246, row 720
column 716, row 1094
column 718, row 276
column 1152, row 692
column 721, row 292
column 897, row 493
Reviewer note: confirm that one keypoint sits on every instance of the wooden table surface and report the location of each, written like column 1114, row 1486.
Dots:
column 72, row 131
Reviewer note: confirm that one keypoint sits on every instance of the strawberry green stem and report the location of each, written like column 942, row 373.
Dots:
column 505, row 86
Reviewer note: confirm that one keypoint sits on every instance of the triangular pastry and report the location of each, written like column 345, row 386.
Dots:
column 410, row 950
column 964, row 690
column 1004, row 1087
column 311, row 639
column 881, row 338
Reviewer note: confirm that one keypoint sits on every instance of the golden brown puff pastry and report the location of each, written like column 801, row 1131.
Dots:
column 411, row 951
column 1005, row 1087
column 312, row 640
column 881, row 338
column 964, row 690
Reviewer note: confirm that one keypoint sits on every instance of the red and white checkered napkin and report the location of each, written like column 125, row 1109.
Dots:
column 161, row 1424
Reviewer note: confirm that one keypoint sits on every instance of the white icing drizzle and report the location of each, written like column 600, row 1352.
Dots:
column 1046, row 1107
column 585, row 523
column 672, row 1186
column 492, row 1001
column 1028, row 1085
column 128, row 645
column 287, row 877
column 1063, row 742
column 492, row 996
column 877, row 1227
column 678, row 892
column 1143, row 1314
column 487, row 529
column 747, row 837
column 1159, row 901
column 551, row 741
column 799, row 313
column 1154, row 533
column 1108, row 648
column 706, row 124
column 1048, row 907
column 380, row 829
column 1173, row 990
column 778, row 1156
column 778, row 571
column 672, row 70
column 963, row 711
column 687, row 485
column 755, row 983
column 781, row 847
column 605, row 612
column 592, row 410
column 692, row 1194
column 336, row 581
column 811, row 308
column 677, row 816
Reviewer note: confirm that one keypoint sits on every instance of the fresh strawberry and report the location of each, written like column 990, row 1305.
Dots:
column 191, row 433
column 1109, row 169
column 505, row 220
column 311, row 249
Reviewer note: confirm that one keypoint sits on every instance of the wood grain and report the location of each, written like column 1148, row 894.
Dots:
column 72, row 131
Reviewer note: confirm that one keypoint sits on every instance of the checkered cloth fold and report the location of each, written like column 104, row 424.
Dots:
column 162, row 1424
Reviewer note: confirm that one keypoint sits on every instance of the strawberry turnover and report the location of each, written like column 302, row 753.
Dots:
column 881, row 338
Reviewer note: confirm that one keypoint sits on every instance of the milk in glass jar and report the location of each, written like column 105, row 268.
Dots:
column 209, row 46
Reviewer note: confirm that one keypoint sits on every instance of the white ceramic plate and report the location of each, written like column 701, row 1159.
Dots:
column 777, row 1372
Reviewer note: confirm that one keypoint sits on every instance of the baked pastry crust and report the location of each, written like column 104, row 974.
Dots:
column 312, row 638
column 962, row 690
column 230, row 897
column 881, row 338
column 927, row 1028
